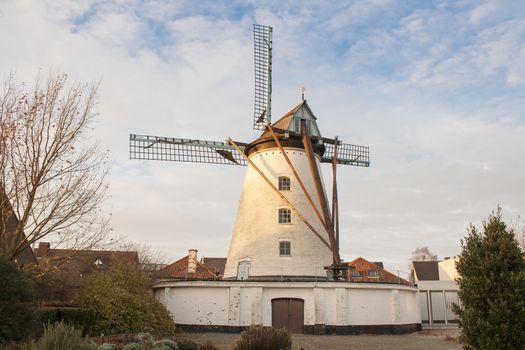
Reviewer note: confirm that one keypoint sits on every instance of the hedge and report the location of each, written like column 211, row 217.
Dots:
column 79, row 317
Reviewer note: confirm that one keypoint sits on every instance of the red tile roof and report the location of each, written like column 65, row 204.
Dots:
column 364, row 266
column 179, row 270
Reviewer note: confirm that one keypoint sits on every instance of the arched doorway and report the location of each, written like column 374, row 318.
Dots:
column 288, row 313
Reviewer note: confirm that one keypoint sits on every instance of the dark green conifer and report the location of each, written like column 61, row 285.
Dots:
column 492, row 288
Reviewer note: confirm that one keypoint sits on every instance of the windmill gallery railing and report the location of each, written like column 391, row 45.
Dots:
column 291, row 273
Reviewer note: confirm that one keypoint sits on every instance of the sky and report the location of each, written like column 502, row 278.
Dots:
column 436, row 89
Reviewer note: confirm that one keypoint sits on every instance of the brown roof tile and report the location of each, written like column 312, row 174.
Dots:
column 179, row 270
column 216, row 265
column 426, row 270
column 364, row 266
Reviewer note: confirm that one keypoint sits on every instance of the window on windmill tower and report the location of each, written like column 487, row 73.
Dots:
column 285, row 248
column 284, row 183
column 285, row 216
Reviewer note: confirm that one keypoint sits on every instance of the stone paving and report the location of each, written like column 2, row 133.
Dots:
column 426, row 340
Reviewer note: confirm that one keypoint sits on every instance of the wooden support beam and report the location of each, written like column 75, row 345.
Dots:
column 314, row 138
column 335, row 202
column 303, row 219
column 301, row 184
column 320, row 191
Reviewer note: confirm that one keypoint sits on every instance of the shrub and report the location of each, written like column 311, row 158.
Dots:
column 132, row 346
column 120, row 296
column 81, row 318
column 165, row 344
column 208, row 346
column 106, row 346
column 187, row 345
column 60, row 336
column 263, row 338
column 491, row 288
column 146, row 343
column 17, row 302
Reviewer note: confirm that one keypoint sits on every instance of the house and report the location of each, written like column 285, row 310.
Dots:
column 67, row 270
column 8, row 238
column 438, row 291
column 362, row 270
column 188, row 268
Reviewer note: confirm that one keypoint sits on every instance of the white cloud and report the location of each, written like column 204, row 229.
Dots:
column 483, row 11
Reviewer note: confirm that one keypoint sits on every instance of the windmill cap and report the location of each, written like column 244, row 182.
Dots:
column 288, row 131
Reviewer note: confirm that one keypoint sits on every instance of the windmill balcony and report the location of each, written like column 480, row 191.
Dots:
column 292, row 274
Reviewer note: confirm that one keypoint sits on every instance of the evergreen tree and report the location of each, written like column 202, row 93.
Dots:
column 17, row 301
column 491, row 288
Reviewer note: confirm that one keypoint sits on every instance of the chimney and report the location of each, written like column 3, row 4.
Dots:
column 43, row 248
column 192, row 260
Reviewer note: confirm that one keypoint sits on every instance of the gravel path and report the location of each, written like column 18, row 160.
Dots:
column 439, row 340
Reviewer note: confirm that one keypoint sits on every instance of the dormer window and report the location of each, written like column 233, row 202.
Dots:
column 297, row 125
column 284, row 183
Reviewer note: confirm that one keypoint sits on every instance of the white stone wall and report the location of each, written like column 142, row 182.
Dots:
column 257, row 233
column 224, row 303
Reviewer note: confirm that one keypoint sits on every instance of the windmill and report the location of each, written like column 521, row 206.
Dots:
column 285, row 224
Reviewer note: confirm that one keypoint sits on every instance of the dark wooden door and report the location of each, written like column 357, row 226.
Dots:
column 288, row 313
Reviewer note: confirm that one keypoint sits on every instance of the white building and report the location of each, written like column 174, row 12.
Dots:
column 438, row 291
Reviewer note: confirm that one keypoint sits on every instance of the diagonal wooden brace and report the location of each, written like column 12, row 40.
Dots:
column 320, row 192
column 303, row 219
column 301, row 184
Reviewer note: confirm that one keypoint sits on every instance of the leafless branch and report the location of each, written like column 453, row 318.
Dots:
column 51, row 174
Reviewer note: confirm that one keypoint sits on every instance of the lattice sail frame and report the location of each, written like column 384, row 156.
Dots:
column 145, row 147
column 262, row 37
column 347, row 154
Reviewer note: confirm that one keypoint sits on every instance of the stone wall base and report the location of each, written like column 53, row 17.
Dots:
column 318, row 329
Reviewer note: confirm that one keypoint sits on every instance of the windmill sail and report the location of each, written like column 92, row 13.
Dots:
column 183, row 150
column 347, row 154
column 262, row 36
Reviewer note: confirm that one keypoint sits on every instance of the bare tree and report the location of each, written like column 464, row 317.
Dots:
column 420, row 254
column 52, row 177
column 150, row 259
column 423, row 254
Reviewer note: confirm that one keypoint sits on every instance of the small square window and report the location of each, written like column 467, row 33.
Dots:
column 356, row 273
column 285, row 248
column 373, row 273
column 285, row 216
column 284, row 183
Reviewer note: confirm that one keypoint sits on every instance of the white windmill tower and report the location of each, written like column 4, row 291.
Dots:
column 284, row 227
